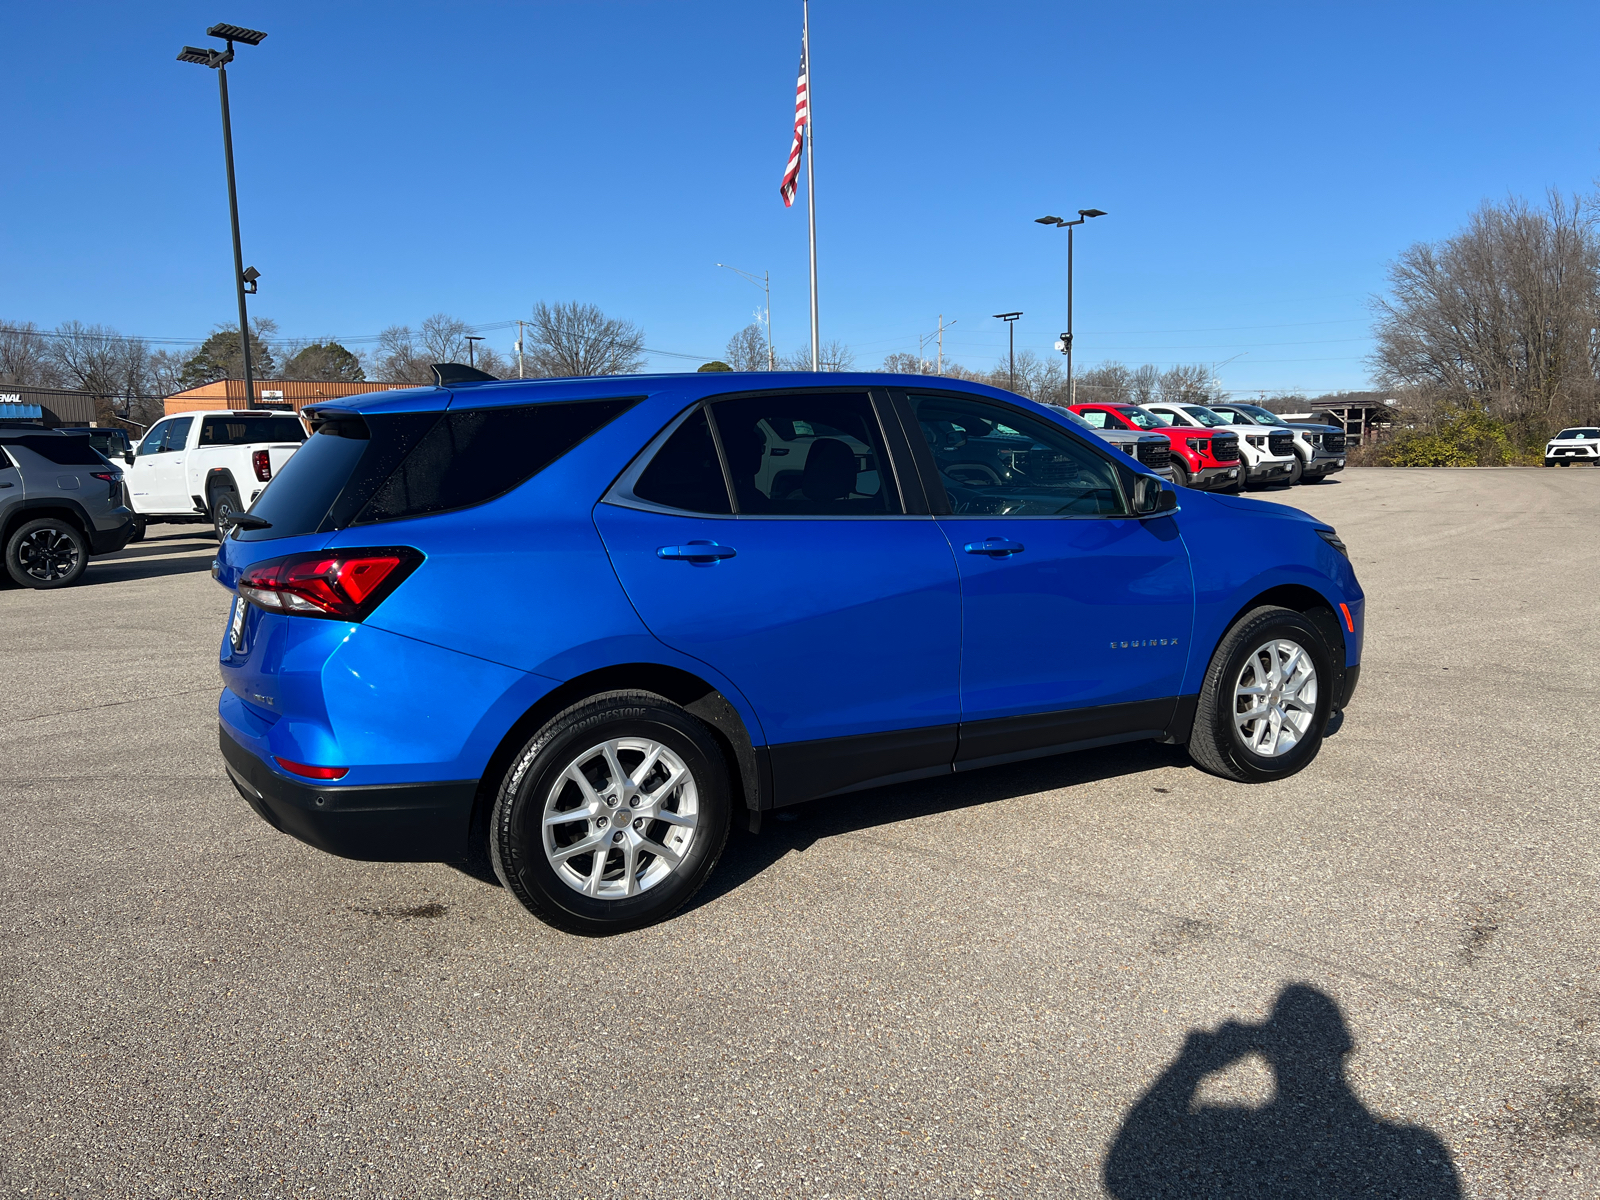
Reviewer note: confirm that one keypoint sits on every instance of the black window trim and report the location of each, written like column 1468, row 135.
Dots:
column 913, row 502
column 928, row 469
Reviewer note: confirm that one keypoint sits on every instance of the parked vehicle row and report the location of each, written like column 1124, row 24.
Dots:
column 574, row 629
column 1228, row 447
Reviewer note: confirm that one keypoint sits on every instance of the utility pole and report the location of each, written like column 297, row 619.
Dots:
column 764, row 282
column 520, row 324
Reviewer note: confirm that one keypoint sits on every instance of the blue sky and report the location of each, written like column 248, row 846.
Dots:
column 1260, row 165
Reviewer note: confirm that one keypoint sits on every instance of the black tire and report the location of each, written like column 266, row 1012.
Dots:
column 1216, row 743
column 1180, row 472
column 224, row 502
column 139, row 527
column 47, row 553
column 516, row 827
column 1315, row 479
column 1295, row 472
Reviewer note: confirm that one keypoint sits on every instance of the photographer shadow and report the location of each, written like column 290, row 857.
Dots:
column 1313, row 1139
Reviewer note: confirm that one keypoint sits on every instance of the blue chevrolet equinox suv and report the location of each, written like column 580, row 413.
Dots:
column 574, row 629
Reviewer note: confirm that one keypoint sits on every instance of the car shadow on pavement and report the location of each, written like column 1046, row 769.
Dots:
column 1314, row 1138
column 123, row 569
column 798, row 828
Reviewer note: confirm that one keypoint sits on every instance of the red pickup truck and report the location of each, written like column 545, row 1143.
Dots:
column 1205, row 459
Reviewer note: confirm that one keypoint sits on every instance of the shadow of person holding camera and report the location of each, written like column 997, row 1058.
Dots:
column 1313, row 1139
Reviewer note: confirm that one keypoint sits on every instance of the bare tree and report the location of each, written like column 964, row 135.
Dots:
column 747, row 349
column 1108, row 383
column 1189, row 383
column 903, row 362
column 25, row 356
column 1145, row 384
column 835, row 356
column 579, row 339
column 1501, row 318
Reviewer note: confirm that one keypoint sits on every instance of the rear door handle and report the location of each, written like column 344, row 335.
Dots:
column 697, row 552
column 994, row 547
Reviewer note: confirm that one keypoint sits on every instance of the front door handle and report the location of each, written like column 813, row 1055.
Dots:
column 697, row 552
column 7, row 485
column 994, row 547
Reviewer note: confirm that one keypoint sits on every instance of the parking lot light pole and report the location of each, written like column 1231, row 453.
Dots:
column 1011, row 328
column 218, row 61
column 1065, row 344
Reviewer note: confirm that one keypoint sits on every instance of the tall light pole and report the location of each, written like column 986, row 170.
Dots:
column 1011, row 329
column 1065, row 344
column 764, row 282
column 218, row 61
column 472, row 346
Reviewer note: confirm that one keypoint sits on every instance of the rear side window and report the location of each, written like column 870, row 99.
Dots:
column 245, row 431
column 63, row 451
column 474, row 455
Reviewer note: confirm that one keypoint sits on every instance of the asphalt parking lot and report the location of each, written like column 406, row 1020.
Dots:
column 1016, row 982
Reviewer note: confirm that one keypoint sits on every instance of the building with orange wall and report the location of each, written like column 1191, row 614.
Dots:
column 285, row 394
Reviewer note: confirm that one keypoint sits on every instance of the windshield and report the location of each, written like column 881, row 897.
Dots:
column 1578, row 433
column 1074, row 418
column 1143, row 418
column 1205, row 416
column 1261, row 415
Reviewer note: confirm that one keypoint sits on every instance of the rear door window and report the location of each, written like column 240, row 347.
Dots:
column 820, row 455
column 686, row 473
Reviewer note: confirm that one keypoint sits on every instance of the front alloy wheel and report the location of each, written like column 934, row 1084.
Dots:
column 1266, row 698
column 1275, row 698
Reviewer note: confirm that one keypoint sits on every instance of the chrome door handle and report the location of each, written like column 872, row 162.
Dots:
column 994, row 547
column 697, row 552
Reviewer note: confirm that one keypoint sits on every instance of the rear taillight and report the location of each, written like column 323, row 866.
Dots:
column 336, row 585
column 262, row 463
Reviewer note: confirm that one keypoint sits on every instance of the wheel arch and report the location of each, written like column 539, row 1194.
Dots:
column 748, row 771
column 219, row 477
column 32, row 510
column 1306, row 601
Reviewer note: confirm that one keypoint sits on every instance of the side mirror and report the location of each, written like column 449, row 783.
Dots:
column 1151, row 499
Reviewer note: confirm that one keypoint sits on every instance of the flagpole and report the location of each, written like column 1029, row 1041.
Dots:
column 811, row 182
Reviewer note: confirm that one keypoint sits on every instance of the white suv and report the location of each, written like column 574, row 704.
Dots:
column 1267, row 454
column 1573, row 446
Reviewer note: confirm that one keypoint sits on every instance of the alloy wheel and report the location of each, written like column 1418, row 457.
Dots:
column 620, row 818
column 48, row 555
column 1275, row 698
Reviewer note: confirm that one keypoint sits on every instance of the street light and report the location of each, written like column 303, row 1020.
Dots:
column 472, row 360
column 1011, row 328
column 218, row 60
column 1065, row 344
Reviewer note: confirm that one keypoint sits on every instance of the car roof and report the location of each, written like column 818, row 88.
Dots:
column 687, row 385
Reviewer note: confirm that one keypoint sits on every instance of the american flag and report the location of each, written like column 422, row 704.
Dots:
column 802, row 114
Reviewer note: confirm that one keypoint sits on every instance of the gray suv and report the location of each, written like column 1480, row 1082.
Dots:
column 61, row 501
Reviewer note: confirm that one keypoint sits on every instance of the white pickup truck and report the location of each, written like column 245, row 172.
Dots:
column 205, row 466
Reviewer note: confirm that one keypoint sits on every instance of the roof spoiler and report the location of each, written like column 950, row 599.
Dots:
column 445, row 374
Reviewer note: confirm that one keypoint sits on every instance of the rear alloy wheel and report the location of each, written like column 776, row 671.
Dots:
column 1266, row 698
column 224, row 507
column 613, row 815
column 47, row 553
column 139, row 528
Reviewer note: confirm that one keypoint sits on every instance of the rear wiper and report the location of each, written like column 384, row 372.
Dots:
column 241, row 520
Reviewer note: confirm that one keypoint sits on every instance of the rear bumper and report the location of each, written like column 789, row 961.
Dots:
column 425, row 822
column 109, row 541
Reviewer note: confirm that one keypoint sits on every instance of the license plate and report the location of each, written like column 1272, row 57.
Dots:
column 236, row 624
